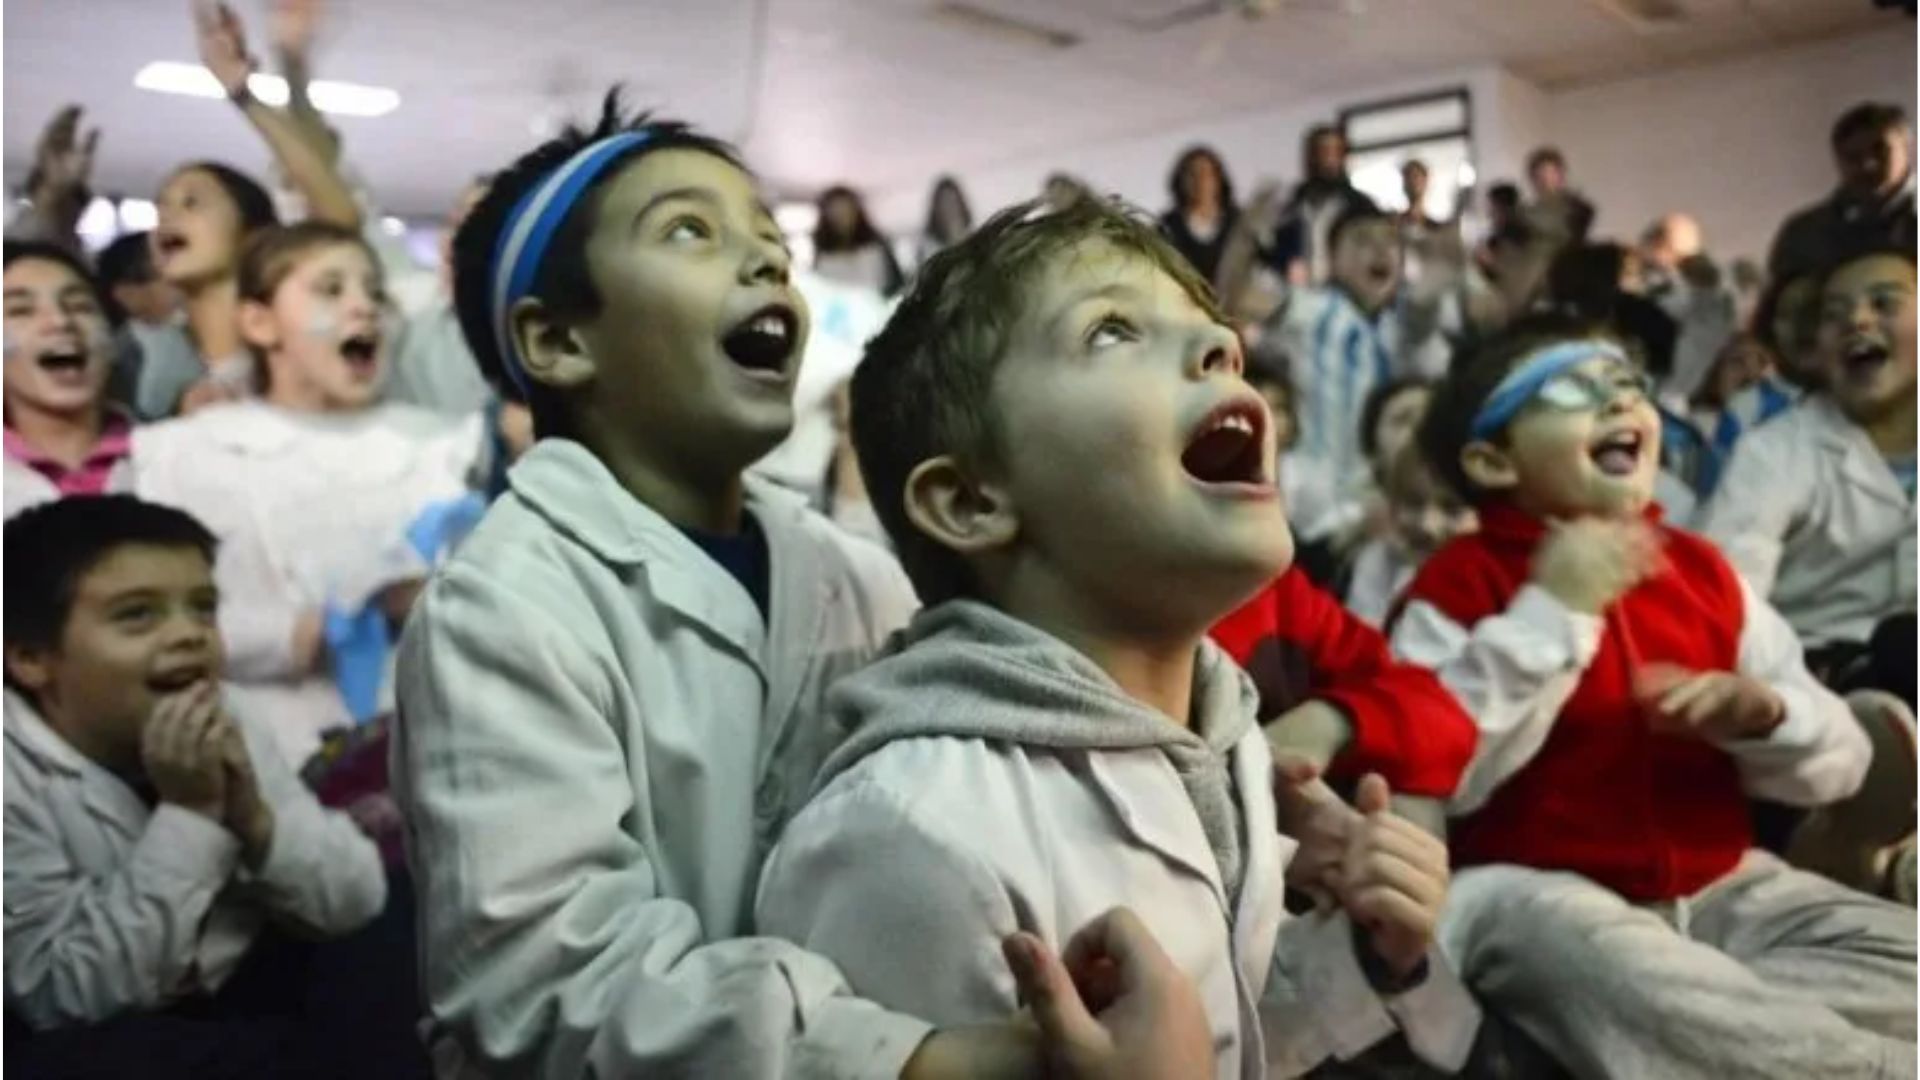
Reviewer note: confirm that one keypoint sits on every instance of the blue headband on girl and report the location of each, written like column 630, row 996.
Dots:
column 529, row 230
column 1524, row 381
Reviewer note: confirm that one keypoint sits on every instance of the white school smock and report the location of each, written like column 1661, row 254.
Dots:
column 984, row 833
column 1813, row 518
column 114, row 906
column 599, row 739
column 309, row 509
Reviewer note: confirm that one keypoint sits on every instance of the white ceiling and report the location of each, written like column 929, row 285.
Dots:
column 870, row 91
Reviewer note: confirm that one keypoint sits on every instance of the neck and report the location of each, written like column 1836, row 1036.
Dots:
column 1153, row 667
column 1893, row 431
column 213, row 318
column 704, row 503
column 64, row 437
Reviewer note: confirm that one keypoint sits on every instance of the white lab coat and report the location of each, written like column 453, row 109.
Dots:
column 980, row 815
column 599, row 738
column 114, row 906
column 1811, row 516
column 310, row 509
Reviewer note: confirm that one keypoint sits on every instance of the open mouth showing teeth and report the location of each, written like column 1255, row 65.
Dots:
column 169, row 244
column 1618, row 455
column 1227, row 446
column 765, row 341
column 63, row 362
column 1865, row 354
column 361, row 350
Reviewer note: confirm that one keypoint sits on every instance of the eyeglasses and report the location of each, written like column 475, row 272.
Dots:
column 1577, row 391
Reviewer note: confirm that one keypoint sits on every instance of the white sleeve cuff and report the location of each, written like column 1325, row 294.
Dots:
column 1439, row 1017
column 852, row 1039
column 1571, row 638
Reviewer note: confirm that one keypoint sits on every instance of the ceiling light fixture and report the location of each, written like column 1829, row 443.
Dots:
column 338, row 98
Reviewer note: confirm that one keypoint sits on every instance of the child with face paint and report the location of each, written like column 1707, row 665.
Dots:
column 613, row 692
column 1633, row 693
column 61, row 437
column 313, row 486
column 207, row 211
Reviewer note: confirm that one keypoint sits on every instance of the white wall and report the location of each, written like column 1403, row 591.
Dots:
column 1740, row 144
column 1259, row 145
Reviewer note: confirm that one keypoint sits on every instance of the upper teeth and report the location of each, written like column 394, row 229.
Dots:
column 769, row 324
column 1236, row 421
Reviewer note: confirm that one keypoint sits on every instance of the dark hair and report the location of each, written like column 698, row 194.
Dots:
column 17, row 250
column 250, row 200
column 51, row 547
column 1271, row 366
column 1177, row 180
column 826, row 240
column 1546, row 155
column 1505, row 195
column 1376, row 404
column 562, row 281
column 1352, row 214
column 1411, row 164
column 1867, row 117
column 127, row 261
column 923, row 388
column 1767, row 308
column 1584, row 279
column 934, row 227
column 1447, row 428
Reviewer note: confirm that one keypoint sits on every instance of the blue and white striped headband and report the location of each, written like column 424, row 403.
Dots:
column 1525, row 381
column 530, row 228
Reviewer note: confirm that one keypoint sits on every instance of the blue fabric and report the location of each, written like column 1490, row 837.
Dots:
column 444, row 524
column 743, row 556
column 1903, row 471
column 357, row 645
column 1319, row 407
column 1527, row 377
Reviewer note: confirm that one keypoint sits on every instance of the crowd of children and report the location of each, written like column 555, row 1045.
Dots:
column 1248, row 664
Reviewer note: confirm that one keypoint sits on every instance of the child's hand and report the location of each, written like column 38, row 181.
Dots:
column 223, row 44
column 181, row 749
column 1320, row 822
column 63, row 163
column 1113, row 1006
column 1395, row 880
column 1717, row 706
column 247, row 815
column 293, row 25
column 1590, row 563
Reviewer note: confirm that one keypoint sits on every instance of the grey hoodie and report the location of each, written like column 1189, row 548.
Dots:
column 967, row 670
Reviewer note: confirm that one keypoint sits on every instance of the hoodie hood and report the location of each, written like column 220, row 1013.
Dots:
column 967, row 670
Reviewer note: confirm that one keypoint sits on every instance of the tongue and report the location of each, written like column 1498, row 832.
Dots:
column 1616, row 460
column 1212, row 457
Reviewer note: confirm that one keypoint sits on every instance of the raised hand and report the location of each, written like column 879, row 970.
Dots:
column 1590, row 563
column 294, row 25
column 223, row 44
column 1718, row 706
column 1394, row 882
column 63, row 162
column 181, row 749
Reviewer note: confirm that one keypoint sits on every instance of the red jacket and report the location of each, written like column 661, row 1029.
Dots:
column 1650, row 816
column 1298, row 643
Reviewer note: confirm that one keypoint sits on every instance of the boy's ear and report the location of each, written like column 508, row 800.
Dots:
column 552, row 352
column 258, row 327
column 30, row 667
column 957, row 511
column 1488, row 466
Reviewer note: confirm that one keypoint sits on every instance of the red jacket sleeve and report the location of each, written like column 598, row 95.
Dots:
column 1299, row 643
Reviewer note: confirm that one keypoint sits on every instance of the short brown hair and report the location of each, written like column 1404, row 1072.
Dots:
column 924, row 386
column 270, row 254
column 1447, row 428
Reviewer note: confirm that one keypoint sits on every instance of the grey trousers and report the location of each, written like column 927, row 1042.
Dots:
column 1769, row 972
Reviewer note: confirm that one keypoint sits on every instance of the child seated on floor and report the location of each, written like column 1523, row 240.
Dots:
column 1632, row 693
column 1080, row 483
column 155, row 841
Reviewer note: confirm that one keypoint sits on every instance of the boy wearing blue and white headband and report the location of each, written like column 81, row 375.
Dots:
column 610, row 695
column 1632, row 693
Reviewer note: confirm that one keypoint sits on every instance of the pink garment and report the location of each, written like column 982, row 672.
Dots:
column 90, row 476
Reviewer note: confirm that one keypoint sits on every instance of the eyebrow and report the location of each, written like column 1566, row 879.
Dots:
column 1113, row 290
column 18, row 293
column 694, row 194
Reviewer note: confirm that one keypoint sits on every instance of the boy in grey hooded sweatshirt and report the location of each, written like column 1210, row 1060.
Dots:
column 1080, row 483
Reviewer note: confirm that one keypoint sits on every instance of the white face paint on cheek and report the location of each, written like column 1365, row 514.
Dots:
column 323, row 324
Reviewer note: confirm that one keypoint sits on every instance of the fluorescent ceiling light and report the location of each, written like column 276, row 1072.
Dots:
column 339, row 98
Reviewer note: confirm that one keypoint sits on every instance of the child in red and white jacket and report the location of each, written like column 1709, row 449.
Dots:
column 1631, row 694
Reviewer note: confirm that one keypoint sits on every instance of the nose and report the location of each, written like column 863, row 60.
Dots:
column 1216, row 350
column 767, row 263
